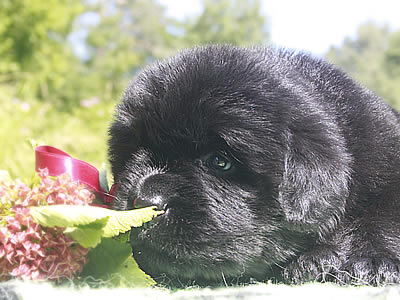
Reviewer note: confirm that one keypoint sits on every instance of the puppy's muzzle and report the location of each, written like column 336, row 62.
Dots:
column 157, row 201
column 154, row 190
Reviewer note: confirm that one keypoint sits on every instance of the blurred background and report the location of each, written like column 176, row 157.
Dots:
column 65, row 63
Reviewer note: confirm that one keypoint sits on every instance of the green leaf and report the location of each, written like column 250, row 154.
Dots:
column 88, row 224
column 69, row 215
column 86, row 237
column 33, row 144
column 122, row 221
column 103, row 181
column 123, row 237
column 112, row 262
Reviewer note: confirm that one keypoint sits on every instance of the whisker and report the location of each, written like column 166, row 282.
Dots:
column 109, row 195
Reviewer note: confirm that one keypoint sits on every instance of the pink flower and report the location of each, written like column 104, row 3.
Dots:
column 29, row 251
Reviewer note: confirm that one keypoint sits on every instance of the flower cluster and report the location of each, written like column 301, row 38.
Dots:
column 27, row 250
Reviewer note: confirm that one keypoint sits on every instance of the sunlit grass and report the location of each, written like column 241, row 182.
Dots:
column 82, row 132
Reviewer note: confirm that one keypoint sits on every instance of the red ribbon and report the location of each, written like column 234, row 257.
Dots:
column 58, row 162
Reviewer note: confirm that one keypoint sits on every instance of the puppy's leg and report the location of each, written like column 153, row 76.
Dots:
column 324, row 262
column 344, row 258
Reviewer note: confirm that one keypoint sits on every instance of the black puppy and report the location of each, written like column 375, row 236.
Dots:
column 268, row 164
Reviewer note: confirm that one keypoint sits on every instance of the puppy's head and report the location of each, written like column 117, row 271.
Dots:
column 228, row 142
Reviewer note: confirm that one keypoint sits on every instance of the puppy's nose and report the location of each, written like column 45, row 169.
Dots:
column 157, row 201
column 157, row 190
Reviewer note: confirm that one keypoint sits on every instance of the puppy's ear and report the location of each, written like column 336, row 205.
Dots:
column 315, row 178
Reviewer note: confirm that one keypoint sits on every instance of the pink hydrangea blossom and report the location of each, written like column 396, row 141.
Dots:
column 28, row 250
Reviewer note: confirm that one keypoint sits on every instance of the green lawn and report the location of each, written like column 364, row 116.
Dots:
column 81, row 132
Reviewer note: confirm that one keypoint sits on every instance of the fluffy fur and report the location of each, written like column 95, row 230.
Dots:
column 268, row 164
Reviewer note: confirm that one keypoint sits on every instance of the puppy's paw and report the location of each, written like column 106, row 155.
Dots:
column 308, row 268
column 375, row 271
column 364, row 271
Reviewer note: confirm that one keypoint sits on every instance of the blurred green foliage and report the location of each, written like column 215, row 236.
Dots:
column 50, row 94
column 215, row 24
column 34, row 56
column 81, row 132
column 373, row 58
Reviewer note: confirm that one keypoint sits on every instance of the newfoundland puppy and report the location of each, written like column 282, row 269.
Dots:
column 269, row 164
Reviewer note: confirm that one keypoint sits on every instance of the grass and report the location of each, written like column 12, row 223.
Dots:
column 81, row 133
column 326, row 291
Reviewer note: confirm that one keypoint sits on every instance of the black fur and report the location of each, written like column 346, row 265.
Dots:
column 313, row 189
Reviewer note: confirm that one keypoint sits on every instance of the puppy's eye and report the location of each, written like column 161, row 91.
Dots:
column 219, row 162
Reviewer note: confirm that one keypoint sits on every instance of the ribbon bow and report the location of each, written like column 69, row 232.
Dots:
column 58, row 162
